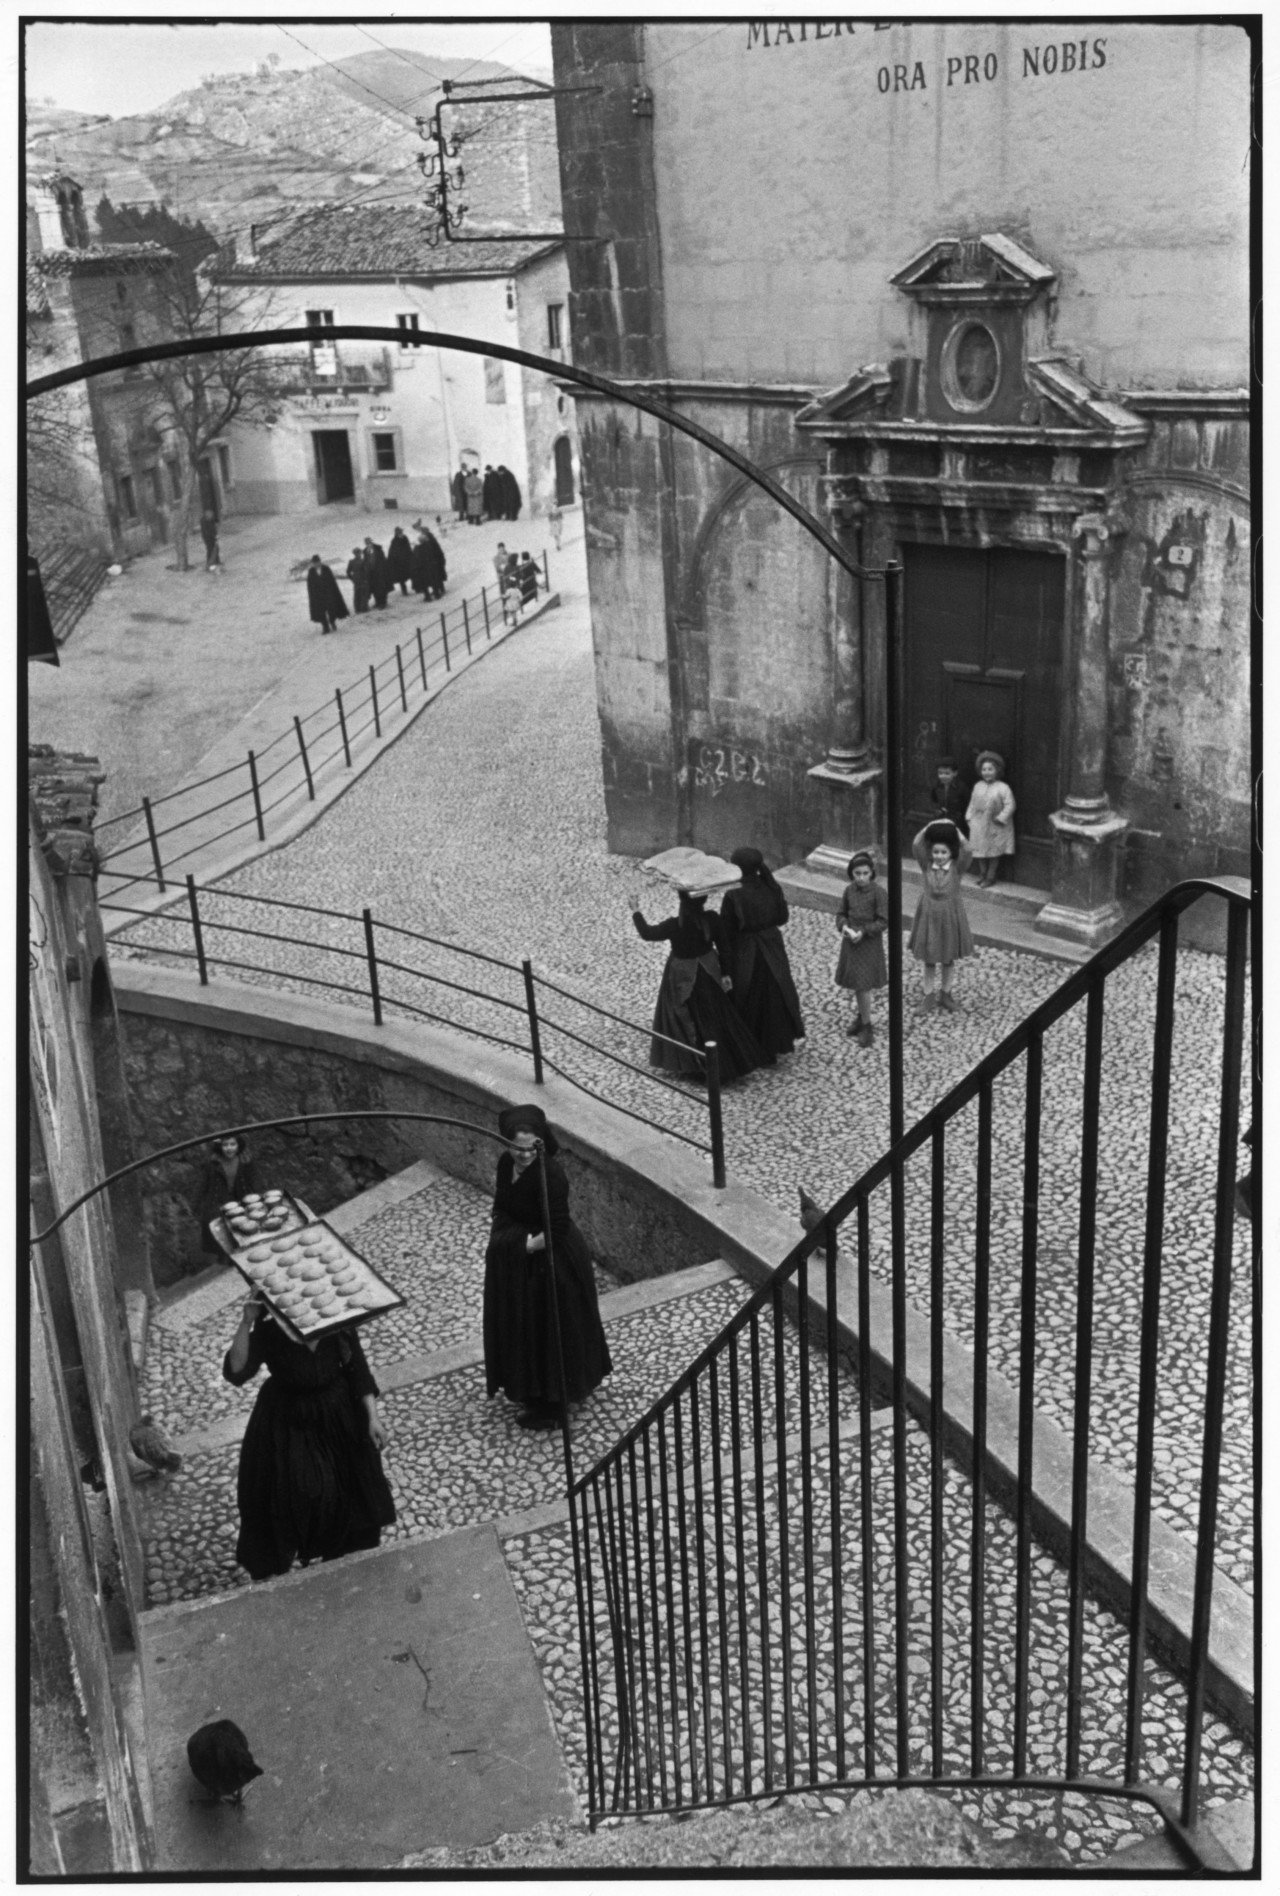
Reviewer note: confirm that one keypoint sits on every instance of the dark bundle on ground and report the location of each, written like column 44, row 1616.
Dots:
column 220, row 1758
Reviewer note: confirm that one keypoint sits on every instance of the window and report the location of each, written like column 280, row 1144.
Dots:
column 495, row 381
column 555, row 325
column 224, row 464
column 153, row 483
column 384, row 453
column 324, row 355
column 128, row 335
column 407, row 324
column 318, row 318
column 128, row 501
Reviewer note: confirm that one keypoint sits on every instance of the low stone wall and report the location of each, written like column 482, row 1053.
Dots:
column 200, row 1058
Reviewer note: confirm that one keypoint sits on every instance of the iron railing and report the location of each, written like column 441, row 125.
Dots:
column 303, row 754
column 361, row 958
column 813, row 1563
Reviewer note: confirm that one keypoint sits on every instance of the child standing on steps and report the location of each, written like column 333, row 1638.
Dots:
column 862, row 921
column 940, row 933
column 990, row 816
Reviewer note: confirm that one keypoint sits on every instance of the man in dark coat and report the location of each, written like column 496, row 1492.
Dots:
column 209, row 534
column 495, row 498
column 400, row 560
column 458, row 493
column 379, row 579
column 324, row 596
column 358, row 574
column 512, row 498
column 428, row 565
column 527, row 580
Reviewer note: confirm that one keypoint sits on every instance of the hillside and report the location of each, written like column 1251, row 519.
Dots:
column 244, row 148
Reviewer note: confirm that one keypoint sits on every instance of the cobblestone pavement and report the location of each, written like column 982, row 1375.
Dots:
column 513, row 860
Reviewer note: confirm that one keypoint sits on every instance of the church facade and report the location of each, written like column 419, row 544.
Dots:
column 978, row 296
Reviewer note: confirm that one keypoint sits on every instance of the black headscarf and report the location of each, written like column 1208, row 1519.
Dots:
column 532, row 1119
column 755, row 869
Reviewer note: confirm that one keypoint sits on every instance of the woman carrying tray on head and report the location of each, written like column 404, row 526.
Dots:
column 520, row 1354
column 311, row 1484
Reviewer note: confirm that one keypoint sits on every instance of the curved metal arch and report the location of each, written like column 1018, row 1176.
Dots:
column 467, row 345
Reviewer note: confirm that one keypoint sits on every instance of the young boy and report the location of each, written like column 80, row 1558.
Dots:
column 950, row 793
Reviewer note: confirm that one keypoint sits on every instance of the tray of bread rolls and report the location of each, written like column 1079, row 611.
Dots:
column 257, row 1217
column 312, row 1280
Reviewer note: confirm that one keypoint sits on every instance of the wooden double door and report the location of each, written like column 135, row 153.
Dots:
column 984, row 671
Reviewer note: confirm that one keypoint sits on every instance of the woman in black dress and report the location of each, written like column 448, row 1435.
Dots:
column 229, row 1173
column 311, row 1484
column 693, row 999
column 520, row 1355
column 752, row 918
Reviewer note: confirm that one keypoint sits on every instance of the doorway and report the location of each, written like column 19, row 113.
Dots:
column 984, row 672
column 564, row 472
column 334, row 477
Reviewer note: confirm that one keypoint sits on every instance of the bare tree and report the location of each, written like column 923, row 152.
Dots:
column 197, row 397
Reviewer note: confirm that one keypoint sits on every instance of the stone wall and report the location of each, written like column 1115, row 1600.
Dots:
column 204, row 1058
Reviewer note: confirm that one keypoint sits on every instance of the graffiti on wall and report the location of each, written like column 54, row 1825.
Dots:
column 716, row 766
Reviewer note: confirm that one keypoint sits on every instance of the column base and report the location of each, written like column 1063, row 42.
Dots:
column 850, row 816
column 1083, row 906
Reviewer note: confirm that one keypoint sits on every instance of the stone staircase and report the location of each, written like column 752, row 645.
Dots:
column 412, row 1705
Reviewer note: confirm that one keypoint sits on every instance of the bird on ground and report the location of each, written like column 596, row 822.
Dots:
column 220, row 1758
column 152, row 1446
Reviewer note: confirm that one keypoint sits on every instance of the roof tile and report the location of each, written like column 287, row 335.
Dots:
column 375, row 240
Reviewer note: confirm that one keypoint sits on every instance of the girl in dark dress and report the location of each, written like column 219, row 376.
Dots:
column 520, row 1355
column 752, row 918
column 862, row 920
column 940, row 933
column 311, row 1484
column 229, row 1173
column 693, row 998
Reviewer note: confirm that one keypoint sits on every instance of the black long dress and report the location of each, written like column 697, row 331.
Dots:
column 379, row 578
column 764, row 991
column 399, row 559
column 325, row 603
column 311, row 1484
column 692, row 1006
column 519, row 1317
column 216, row 1189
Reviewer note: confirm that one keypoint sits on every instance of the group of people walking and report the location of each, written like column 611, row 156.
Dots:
column 493, row 495
column 311, row 1484
column 375, row 572
column 728, row 978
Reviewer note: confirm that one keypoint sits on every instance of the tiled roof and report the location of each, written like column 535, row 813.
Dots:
column 375, row 240
column 104, row 260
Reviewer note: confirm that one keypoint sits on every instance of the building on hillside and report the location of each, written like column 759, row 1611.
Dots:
column 82, row 1555
column 387, row 426
column 988, row 316
column 100, row 472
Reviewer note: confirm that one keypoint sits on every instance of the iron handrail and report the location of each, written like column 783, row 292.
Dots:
column 628, row 1519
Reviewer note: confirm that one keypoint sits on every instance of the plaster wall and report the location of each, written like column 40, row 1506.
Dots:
column 548, row 411
column 438, row 400
column 793, row 179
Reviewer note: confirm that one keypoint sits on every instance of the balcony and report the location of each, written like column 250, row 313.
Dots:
column 349, row 368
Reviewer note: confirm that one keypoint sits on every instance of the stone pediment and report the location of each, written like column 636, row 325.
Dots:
column 990, row 269
column 1058, row 397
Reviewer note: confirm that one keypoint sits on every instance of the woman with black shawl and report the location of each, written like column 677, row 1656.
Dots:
column 693, row 1003
column 520, row 1354
column 752, row 918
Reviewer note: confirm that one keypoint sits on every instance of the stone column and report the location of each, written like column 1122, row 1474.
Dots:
column 1087, row 831
column 847, row 777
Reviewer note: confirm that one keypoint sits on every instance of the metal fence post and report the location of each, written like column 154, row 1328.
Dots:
column 546, row 570
column 373, row 694
column 155, row 843
column 712, row 1052
column 530, row 1001
column 484, row 601
column 444, row 640
column 257, row 798
column 197, row 932
column 404, row 701
column 373, row 967
column 422, row 657
column 342, row 724
column 306, row 761
column 466, row 626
